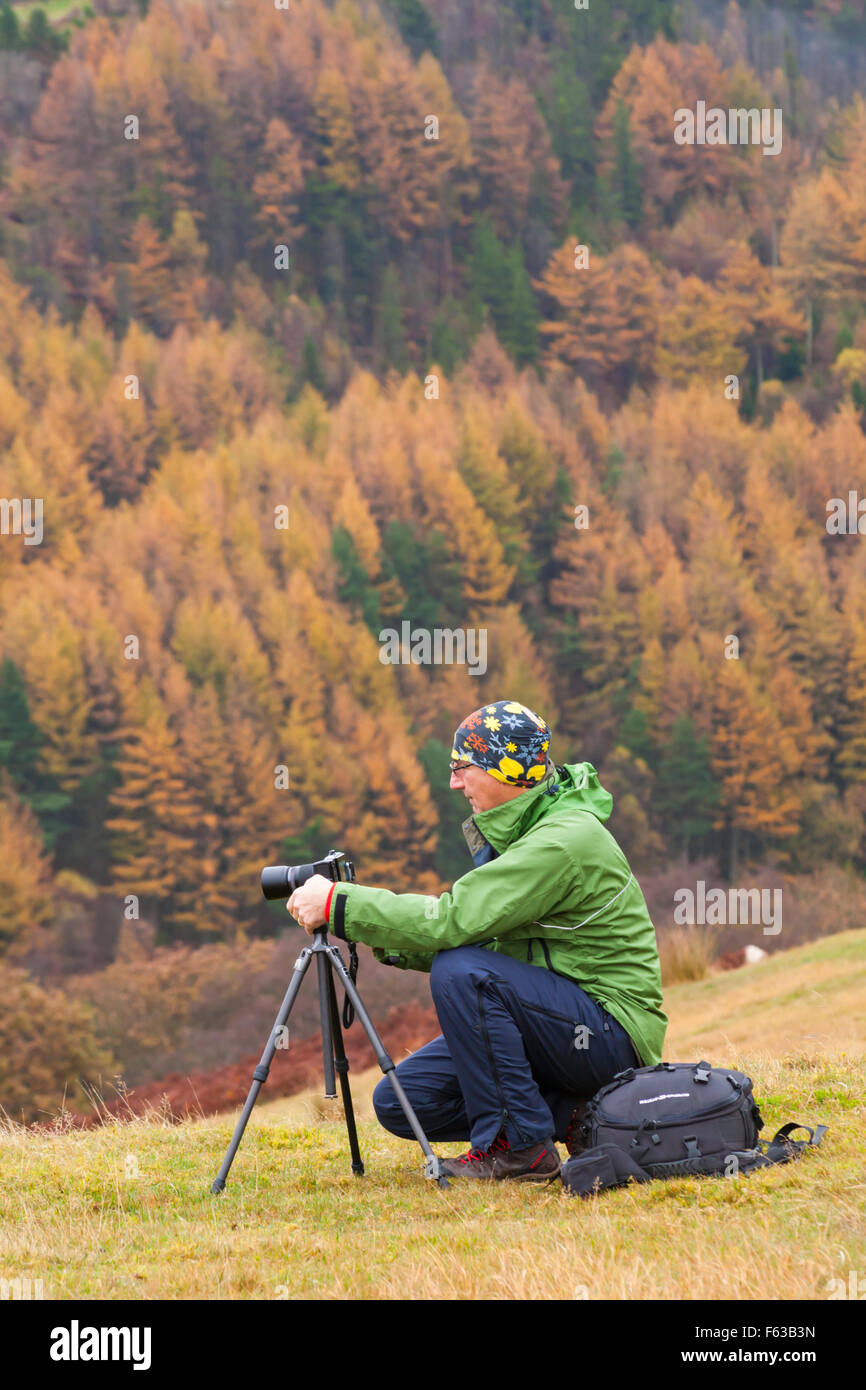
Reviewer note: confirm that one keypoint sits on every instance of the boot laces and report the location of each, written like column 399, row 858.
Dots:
column 499, row 1145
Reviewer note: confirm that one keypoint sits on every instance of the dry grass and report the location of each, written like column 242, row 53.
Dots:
column 686, row 953
column 125, row 1212
column 805, row 999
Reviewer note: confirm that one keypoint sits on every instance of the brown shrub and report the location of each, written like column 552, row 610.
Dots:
column 146, row 1009
column 49, row 1050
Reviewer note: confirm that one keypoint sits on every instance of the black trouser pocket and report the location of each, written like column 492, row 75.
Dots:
column 558, row 1051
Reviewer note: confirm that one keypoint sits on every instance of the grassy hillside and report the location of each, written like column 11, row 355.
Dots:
column 125, row 1212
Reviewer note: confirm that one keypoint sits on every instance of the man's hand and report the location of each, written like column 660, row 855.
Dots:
column 307, row 903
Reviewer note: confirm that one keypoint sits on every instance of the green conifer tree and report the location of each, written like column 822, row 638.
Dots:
column 686, row 790
column 626, row 177
column 10, row 29
column 20, row 744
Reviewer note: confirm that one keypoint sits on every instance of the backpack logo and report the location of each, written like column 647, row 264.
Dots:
column 668, row 1095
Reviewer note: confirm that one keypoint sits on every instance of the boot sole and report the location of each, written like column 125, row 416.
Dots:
column 510, row 1177
column 532, row 1177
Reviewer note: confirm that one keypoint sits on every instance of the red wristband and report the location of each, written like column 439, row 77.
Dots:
column 328, row 903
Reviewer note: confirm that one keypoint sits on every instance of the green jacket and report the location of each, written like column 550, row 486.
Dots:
column 560, row 894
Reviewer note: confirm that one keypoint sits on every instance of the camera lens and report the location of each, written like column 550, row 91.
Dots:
column 281, row 880
column 275, row 881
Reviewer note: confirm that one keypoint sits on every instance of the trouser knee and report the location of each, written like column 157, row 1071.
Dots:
column 454, row 968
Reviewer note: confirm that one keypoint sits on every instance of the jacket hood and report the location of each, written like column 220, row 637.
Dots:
column 580, row 781
column 501, row 825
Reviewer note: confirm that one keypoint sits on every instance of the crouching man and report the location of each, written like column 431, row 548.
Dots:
column 543, row 961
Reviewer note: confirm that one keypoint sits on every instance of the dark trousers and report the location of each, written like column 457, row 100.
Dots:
column 519, row 1046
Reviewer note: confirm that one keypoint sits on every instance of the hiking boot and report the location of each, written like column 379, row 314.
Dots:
column 540, row 1163
column 573, row 1140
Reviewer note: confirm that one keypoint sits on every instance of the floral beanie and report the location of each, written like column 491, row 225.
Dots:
column 507, row 740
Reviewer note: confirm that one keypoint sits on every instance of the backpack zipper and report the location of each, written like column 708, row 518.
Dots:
column 663, row 1121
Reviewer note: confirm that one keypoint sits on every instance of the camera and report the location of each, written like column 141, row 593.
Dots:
column 281, row 880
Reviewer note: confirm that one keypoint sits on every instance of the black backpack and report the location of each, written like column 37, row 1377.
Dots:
column 672, row 1120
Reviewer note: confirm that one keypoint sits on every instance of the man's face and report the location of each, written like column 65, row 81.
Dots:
column 480, row 789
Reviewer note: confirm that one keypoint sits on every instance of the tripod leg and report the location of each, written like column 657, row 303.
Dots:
column 260, row 1075
column 432, row 1167
column 342, row 1065
column 325, row 1015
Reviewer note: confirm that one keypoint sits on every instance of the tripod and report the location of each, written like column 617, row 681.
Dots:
column 328, row 963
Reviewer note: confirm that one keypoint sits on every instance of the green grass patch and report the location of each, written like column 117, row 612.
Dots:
column 55, row 10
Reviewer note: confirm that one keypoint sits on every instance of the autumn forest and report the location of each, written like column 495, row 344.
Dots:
column 323, row 319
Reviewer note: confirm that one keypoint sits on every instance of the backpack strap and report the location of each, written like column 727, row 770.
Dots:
column 781, row 1148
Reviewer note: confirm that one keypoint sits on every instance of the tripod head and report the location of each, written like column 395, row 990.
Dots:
column 281, row 880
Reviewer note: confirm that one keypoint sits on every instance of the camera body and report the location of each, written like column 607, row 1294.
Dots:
column 281, row 880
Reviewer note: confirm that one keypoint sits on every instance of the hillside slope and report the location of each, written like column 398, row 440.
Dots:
column 813, row 996
column 126, row 1211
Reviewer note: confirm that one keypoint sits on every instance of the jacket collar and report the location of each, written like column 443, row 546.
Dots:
column 502, row 825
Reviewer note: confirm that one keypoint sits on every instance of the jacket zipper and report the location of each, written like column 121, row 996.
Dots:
column 548, row 963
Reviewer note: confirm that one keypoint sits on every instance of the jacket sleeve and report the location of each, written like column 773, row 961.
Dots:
column 498, row 898
column 402, row 961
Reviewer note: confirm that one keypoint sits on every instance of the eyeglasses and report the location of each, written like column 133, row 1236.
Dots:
column 460, row 766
